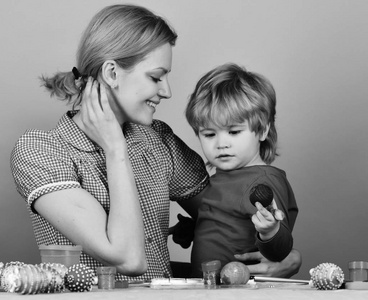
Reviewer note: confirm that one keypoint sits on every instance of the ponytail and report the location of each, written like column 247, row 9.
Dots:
column 63, row 86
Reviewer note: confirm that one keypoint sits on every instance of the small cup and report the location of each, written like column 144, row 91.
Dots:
column 67, row 255
column 358, row 270
column 106, row 277
column 211, row 273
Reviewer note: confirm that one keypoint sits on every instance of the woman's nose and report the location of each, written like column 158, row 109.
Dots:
column 164, row 90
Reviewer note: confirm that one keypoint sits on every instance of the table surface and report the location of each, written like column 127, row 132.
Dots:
column 259, row 291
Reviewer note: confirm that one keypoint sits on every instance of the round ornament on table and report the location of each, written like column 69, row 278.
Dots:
column 79, row 278
column 234, row 273
column 327, row 276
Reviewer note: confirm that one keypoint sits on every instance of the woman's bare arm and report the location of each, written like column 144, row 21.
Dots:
column 115, row 239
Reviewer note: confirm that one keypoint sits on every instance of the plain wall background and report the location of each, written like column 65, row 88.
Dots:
column 315, row 54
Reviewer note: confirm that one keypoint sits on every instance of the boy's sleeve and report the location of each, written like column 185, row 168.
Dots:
column 277, row 248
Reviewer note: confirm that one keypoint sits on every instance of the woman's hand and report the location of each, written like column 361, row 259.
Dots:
column 285, row 269
column 97, row 119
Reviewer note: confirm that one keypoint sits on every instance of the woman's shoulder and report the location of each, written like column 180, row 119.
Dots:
column 35, row 145
column 64, row 135
column 32, row 138
column 42, row 141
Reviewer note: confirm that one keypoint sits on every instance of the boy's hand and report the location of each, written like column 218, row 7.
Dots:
column 267, row 221
column 183, row 231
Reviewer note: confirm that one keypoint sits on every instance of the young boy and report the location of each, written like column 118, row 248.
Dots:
column 232, row 111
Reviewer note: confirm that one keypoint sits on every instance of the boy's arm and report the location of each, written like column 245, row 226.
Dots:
column 274, row 239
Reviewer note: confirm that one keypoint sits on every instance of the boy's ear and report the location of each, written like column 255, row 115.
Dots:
column 109, row 73
column 265, row 133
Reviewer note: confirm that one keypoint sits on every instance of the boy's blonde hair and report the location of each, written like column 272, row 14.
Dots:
column 230, row 94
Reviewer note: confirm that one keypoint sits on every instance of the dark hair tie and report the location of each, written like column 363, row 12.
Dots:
column 76, row 73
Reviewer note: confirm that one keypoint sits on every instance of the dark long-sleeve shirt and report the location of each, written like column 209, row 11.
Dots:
column 224, row 226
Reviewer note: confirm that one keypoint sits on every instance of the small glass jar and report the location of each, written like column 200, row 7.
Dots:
column 358, row 271
column 211, row 273
column 106, row 277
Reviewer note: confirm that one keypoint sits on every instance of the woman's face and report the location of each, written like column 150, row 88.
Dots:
column 141, row 89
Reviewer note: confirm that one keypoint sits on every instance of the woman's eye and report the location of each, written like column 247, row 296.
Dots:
column 155, row 79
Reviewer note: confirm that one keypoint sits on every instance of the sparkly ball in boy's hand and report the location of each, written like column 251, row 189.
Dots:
column 261, row 193
column 234, row 273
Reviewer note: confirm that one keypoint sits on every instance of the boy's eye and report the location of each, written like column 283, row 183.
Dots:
column 207, row 134
column 234, row 132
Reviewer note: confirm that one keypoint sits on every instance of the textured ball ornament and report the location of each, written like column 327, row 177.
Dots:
column 261, row 193
column 30, row 279
column 60, row 268
column 79, row 278
column 327, row 276
column 55, row 275
column 234, row 273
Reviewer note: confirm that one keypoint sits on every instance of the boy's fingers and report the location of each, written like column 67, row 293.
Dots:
column 278, row 214
column 273, row 204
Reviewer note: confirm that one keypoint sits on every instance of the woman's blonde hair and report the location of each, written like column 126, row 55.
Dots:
column 230, row 94
column 123, row 33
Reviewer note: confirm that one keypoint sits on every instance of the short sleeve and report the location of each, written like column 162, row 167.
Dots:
column 40, row 165
column 189, row 176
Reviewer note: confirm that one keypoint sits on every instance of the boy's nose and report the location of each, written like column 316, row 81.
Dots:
column 223, row 144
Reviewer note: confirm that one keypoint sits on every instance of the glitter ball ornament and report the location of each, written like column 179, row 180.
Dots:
column 23, row 278
column 261, row 193
column 79, row 278
column 55, row 273
column 327, row 276
column 60, row 268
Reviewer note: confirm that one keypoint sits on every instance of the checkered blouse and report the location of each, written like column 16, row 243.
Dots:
column 63, row 158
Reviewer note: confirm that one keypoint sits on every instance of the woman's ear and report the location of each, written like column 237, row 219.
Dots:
column 263, row 136
column 108, row 73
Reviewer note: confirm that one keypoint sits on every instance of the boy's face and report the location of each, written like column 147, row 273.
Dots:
column 231, row 147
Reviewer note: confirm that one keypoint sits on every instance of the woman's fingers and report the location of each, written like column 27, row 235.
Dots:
column 105, row 105
column 95, row 105
column 250, row 256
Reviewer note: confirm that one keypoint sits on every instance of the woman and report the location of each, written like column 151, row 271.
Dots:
column 104, row 176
